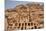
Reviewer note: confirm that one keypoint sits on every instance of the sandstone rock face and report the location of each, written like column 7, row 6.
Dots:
column 23, row 17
